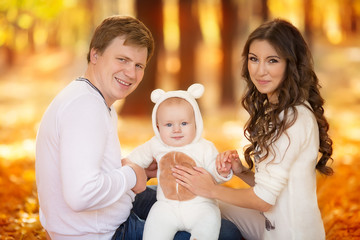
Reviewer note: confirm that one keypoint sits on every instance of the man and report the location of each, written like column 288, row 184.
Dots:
column 84, row 190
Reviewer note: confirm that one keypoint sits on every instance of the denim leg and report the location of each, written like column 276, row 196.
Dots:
column 132, row 229
column 182, row 235
column 143, row 202
column 229, row 231
column 119, row 233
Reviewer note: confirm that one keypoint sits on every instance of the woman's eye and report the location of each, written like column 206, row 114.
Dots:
column 253, row 59
column 273, row 60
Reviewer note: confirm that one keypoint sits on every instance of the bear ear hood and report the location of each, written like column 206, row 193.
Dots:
column 195, row 91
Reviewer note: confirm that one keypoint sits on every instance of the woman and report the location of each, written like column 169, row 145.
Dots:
column 287, row 130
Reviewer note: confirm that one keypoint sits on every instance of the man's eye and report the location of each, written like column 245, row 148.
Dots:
column 140, row 66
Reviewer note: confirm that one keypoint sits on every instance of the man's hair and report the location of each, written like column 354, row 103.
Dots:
column 131, row 29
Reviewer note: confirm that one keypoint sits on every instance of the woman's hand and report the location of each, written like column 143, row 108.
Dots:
column 196, row 179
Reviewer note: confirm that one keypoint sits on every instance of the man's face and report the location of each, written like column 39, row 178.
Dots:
column 119, row 69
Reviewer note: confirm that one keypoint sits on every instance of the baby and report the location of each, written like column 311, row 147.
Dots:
column 178, row 127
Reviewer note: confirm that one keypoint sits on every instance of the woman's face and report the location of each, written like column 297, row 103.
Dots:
column 266, row 68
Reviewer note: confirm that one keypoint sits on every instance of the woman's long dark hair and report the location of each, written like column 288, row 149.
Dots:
column 300, row 84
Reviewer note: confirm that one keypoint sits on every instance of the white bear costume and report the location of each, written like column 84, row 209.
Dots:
column 177, row 209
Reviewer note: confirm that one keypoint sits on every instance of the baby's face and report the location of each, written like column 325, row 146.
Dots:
column 176, row 123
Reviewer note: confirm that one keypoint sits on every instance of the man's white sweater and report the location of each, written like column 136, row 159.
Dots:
column 83, row 190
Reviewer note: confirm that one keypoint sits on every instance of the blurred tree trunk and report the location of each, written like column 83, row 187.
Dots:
column 349, row 16
column 189, row 36
column 138, row 102
column 355, row 8
column 228, row 35
column 308, row 10
column 264, row 10
column 53, row 34
column 31, row 42
column 92, row 10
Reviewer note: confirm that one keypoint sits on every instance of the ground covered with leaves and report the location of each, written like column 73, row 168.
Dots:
column 338, row 195
column 18, row 202
column 26, row 93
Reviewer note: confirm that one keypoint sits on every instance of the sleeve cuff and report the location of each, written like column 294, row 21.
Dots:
column 221, row 179
column 129, row 175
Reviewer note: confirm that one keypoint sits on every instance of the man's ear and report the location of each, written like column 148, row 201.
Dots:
column 93, row 55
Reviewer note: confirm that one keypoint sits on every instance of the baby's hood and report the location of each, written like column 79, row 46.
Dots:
column 194, row 92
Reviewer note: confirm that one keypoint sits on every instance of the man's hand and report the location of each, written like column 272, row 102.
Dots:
column 151, row 170
column 141, row 177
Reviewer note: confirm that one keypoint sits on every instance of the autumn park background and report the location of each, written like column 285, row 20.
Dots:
column 43, row 46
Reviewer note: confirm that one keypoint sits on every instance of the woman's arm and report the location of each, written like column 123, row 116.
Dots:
column 243, row 197
column 247, row 176
column 201, row 183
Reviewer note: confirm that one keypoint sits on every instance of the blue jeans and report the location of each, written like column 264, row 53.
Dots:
column 133, row 227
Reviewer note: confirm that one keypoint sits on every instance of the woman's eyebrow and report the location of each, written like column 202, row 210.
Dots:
column 273, row 56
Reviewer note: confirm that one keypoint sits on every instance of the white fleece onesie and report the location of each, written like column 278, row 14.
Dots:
column 177, row 209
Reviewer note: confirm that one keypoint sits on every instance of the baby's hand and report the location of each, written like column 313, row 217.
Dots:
column 224, row 171
column 229, row 160
column 223, row 163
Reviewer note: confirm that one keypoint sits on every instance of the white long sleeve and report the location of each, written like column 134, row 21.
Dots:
column 83, row 189
column 288, row 182
column 85, row 136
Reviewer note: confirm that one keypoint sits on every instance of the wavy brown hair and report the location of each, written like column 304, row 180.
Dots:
column 300, row 84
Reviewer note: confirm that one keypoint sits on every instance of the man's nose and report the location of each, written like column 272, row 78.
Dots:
column 130, row 70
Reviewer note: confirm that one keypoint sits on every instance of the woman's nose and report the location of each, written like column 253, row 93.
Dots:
column 262, row 70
